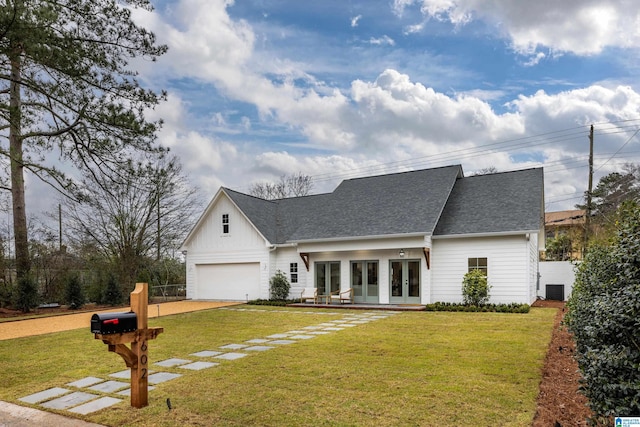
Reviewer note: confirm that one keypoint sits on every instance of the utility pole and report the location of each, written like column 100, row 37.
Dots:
column 60, row 227
column 587, row 216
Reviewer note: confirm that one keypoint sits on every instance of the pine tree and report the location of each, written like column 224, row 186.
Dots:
column 67, row 89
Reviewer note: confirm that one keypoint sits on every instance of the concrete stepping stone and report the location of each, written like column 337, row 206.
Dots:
column 257, row 341
column 85, row 382
column 233, row 346
column 196, row 366
column 172, row 362
column 126, row 374
column 278, row 336
column 127, row 392
column 96, row 405
column 301, row 337
column 346, row 325
column 160, row 377
column 231, row 356
column 297, row 332
column 206, row 353
column 313, row 327
column 259, row 348
column 44, row 395
column 282, row 342
column 109, row 386
column 69, row 400
column 319, row 332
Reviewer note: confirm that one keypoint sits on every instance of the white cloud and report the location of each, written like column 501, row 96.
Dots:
column 384, row 40
column 374, row 123
column 580, row 27
column 355, row 20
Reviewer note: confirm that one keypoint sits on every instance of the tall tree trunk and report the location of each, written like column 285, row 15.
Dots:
column 23, row 262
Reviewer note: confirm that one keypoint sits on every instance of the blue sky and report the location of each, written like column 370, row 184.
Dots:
column 338, row 89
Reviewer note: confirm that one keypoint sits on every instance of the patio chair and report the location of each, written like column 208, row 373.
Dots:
column 342, row 296
column 309, row 293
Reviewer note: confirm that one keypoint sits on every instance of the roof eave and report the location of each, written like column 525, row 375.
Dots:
column 490, row 234
column 350, row 238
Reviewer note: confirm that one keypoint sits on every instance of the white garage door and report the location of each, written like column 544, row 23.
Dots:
column 235, row 282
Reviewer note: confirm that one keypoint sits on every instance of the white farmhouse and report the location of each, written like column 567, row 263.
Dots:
column 403, row 238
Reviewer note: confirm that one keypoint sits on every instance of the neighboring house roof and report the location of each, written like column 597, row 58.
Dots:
column 438, row 201
column 564, row 218
column 495, row 203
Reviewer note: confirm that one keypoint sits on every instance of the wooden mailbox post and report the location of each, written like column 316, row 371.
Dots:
column 137, row 356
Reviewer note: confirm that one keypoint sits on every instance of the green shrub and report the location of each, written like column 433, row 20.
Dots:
column 475, row 288
column 74, row 294
column 279, row 286
column 486, row 308
column 26, row 294
column 604, row 309
column 275, row 303
column 112, row 293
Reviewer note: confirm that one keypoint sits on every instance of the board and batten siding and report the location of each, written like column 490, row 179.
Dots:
column 508, row 267
column 282, row 259
column 209, row 245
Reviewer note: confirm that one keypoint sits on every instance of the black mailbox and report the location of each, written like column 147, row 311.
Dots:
column 114, row 323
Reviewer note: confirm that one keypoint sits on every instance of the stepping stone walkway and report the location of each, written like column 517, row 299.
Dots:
column 89, row 394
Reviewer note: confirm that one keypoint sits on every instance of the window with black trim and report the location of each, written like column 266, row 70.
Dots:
column 225, row 223
column 293, row 271
column 478, row 264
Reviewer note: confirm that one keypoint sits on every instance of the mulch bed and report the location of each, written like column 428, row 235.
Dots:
column 559, row 403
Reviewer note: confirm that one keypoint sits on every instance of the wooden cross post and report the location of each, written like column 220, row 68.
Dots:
column 137, row 357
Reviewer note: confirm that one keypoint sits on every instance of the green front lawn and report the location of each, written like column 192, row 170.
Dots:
column 414, row 368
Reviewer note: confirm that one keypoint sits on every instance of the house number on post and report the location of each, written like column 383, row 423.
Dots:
column 118, row 329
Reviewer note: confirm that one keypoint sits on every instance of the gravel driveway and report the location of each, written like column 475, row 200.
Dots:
column 46, row 325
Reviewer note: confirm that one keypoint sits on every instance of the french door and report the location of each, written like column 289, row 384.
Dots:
column 404, row 281
column 327, row 277
column 364, row 281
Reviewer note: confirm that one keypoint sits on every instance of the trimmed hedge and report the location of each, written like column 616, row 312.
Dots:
column 485, row 308
column 276, row 303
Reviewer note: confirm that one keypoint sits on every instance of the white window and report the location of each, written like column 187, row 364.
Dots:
column 478, row 264
column 293, row 271
column 225, row 223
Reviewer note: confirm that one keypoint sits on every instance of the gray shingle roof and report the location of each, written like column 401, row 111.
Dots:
column 495, row 203
column 401, row 203
column 437, row 201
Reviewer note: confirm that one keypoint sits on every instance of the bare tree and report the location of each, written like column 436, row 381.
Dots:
column 294, row 185
column 486, row 171
column 136, row 217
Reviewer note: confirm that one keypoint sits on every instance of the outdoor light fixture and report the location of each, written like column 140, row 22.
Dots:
column 401, row 253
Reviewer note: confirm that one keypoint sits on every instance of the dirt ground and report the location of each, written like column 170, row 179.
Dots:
column 559, row 402
column 74, row 320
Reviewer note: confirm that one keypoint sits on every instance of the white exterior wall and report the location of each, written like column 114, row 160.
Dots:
column 282, row 257
column 534, row 257
column 509, row 267
column 557, row 273
column 208, row 244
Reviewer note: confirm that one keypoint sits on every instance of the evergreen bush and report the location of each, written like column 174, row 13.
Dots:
column 604, row 309
column 74, row 294
column 475, row 288
column 279, row 286
column 26, row 294
column 112, row 293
